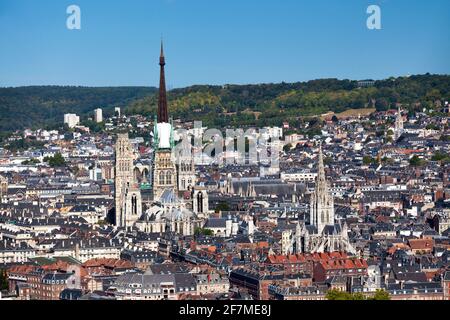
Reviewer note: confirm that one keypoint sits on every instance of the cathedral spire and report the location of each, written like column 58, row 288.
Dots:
column 163, row 116
column 322, row 206
column 321, row 170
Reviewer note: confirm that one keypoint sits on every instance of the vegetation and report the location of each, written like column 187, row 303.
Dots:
column 369, row 160
column 94, row 126
column 31, row 162
column 271, row 104
column 204, row 232
column 381, row 295
column 222, row 106
column 287, row 147
column 416, row 161
column 342, row 295
column 24, row 144
column 56, row 161
column 440, row 156
column 222, row 206
column 45, row 106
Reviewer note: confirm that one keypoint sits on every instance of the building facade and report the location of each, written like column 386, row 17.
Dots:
column 128, row 200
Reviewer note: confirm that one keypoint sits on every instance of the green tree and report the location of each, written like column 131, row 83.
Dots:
column 381, row 295
column 440, row 156
column 368, row 160
column 56, row 161
column 204, row 232
column 335, row 294
column 416, row 161
column 222, row 206
column 31, row 162
column 358, row 296
column 287, row 147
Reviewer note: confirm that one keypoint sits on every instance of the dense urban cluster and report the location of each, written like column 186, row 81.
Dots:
column 360, row 209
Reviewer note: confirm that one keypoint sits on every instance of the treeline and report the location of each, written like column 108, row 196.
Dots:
column 220, row 106
column 271, row 104
column 45, row 106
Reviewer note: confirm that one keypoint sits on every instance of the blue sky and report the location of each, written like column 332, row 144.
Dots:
column 219, row 41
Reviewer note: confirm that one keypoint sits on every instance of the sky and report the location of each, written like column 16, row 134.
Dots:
column 219, row 41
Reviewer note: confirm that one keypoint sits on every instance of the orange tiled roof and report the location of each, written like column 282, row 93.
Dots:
column 421, row 244
column 110, row 263
column 305, row 257
column 344, row 264
column 21, row 269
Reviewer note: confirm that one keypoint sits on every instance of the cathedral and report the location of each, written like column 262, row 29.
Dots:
column 171, row 172
column 178, row 204
column 322, row 234
column 128, row 201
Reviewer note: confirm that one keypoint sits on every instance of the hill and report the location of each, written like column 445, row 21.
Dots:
column 42, row 106
column 271, row 104
column 222, row 106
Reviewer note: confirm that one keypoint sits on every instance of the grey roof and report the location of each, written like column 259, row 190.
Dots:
column 216, row 223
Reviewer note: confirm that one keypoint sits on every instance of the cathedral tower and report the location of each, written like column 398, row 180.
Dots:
column 322, row 204
column 399, row 127
column 128, row 201
column 164, row 168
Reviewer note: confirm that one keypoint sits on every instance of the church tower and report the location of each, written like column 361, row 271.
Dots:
column 3, row 187
column 164, row 169
column 322, row 204
column 399, row 128
column 128, row 201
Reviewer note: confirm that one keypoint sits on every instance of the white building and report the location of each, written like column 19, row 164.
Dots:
column 72, row 120
column 298, row 176
column 272, row 132
column 98, row 115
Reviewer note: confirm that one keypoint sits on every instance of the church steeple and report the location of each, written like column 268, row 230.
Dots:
column 321, row 168
column 321, row 206
column 163, row 115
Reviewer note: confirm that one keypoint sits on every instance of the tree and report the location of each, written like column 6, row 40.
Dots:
column 440, row 156
column 342, row 295
column 416, row 161
column 358, row 296
column 222, row 206
column 287, row 147
column 204, row 232
column 381, row 295
column 369, row 160
column 335, row 294
column 56, row 161
column 31, row 162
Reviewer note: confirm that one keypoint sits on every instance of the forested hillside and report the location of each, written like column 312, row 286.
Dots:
column 43, row 106
column 220, row 106
column 267, row 104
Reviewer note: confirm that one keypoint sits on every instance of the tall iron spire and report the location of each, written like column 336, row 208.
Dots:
column 163, row 115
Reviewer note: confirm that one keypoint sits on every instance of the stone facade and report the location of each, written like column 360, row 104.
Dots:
column 128, row 201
